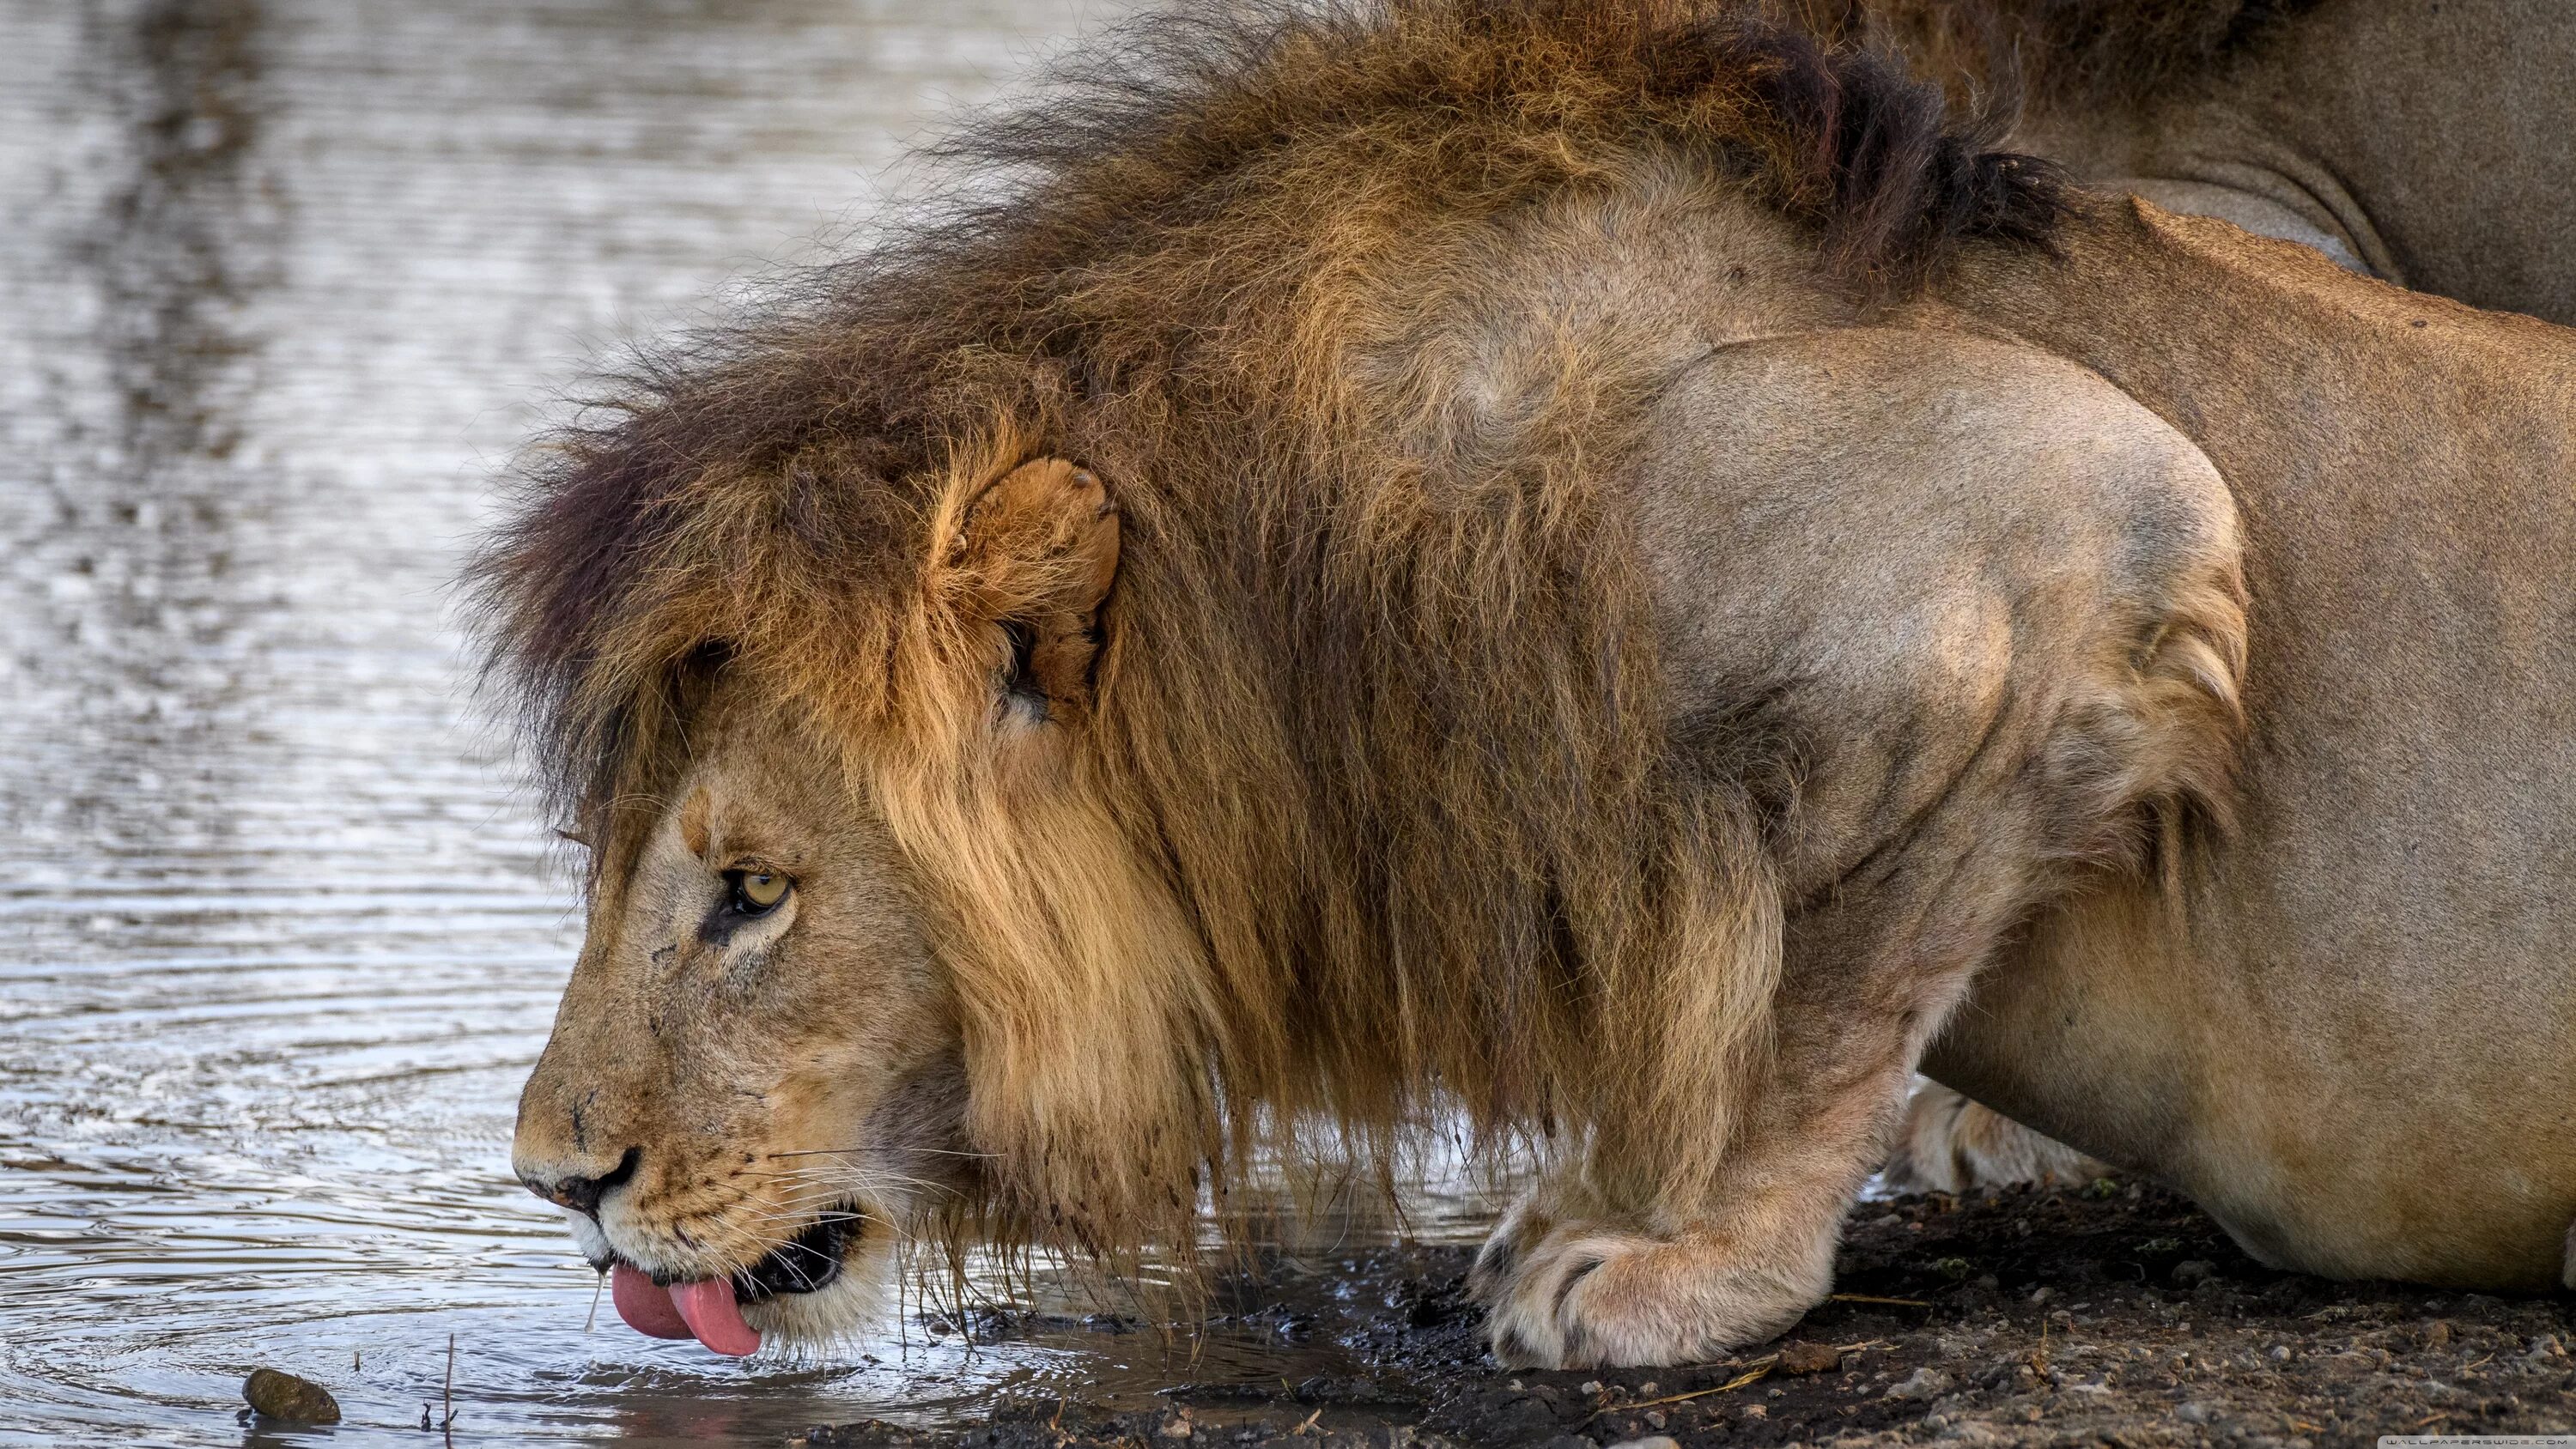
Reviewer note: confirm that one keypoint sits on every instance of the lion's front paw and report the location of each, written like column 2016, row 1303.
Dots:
column 1582, row 1295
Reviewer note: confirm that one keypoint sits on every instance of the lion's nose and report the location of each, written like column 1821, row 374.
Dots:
column 582, row 1194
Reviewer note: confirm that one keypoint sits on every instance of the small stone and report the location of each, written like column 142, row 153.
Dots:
column 2193, row 1270
column 1754, row 1411
column 1810, row 1358
column 2280, row 1353
column 1651, row 1441
column 2546, row 1346
column 1591, row 1388
column 2439, row 1335
column 1922, row 1384
column 1649, row 1389
column 1655, row 1419
column 1176, row 1427
column 2196, row 1412
column 286, row 1397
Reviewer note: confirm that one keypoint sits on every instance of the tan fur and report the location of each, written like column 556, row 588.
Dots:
column 1640, row 572
column 2418, row 143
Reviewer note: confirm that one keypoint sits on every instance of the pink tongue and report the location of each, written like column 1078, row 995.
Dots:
column 708, row 1307
column 645, row 1304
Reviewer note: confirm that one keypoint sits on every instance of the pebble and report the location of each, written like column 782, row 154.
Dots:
column 2194, row 1270
column 1651, row 1441
column 1924, row 1383
column 284, row 1396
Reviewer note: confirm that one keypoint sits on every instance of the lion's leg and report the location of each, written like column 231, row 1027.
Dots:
column 1948, row 1143
column 1570, row 1279
column 1959, row 721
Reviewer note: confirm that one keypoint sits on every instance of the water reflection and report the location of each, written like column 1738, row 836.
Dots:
column 282, row 282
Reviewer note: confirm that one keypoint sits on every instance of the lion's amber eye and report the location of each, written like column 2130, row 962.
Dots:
column 756, row 892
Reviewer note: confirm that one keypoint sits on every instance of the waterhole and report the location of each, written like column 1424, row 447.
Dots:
column 283, row 283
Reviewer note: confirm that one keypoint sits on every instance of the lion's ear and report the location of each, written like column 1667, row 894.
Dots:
column 1042, row 544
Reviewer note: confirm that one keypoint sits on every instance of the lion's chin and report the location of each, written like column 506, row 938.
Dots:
column 825, row 1315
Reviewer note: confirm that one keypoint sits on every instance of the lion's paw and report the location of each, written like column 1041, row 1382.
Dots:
column 1949, row 1143
column 1584, row 1295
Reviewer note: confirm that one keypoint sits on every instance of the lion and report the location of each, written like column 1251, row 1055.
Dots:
column 2420, row 144
column 1580, row 567
column 2423, row 143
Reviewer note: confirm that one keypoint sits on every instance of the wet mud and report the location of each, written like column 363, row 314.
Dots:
column 2116, row 1314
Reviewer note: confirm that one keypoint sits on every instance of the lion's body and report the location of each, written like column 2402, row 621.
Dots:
column 2425, row 142
column 1615, row 568
column 2350, row 1030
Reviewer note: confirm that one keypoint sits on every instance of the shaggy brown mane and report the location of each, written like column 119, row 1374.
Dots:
column 2071, row 51
column 1386, row 728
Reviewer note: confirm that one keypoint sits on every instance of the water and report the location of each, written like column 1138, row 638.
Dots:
column 282, row 283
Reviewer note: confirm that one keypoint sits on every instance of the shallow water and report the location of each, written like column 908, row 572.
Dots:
column 282, row 283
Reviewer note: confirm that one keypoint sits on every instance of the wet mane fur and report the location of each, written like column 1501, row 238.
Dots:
column 1375, row 801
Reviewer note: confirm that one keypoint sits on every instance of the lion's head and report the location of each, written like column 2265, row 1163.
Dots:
column 1121, row 680
column 843, row 988
column 757, row 1073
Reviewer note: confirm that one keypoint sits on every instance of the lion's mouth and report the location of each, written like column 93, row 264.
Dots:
column 710, row 1309
column 803, row 1264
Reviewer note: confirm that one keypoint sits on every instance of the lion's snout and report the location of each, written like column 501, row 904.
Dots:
column 582, row 1192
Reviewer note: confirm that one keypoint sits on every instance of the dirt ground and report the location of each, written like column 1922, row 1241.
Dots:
column 2115, row 1314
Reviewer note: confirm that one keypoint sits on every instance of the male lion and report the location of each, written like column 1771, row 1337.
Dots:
column 1577, row 563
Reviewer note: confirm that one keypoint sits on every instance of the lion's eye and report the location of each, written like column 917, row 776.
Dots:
column 756, row 892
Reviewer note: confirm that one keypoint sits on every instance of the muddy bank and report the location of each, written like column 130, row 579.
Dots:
column 2118, row 1315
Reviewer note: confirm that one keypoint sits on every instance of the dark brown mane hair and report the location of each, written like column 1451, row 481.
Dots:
column 2071, row 52
column 1387, row 727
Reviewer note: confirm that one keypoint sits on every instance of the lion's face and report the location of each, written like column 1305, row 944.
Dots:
column 836, row 995
column 754, row 1076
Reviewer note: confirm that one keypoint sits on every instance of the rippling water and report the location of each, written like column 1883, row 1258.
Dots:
column 282, row 283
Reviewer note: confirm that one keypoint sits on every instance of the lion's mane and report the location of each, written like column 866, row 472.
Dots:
column 1377, row 803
